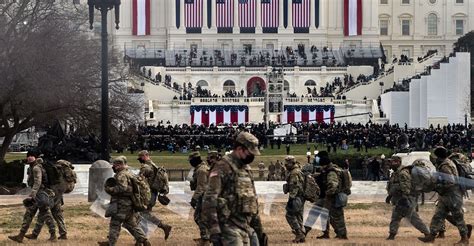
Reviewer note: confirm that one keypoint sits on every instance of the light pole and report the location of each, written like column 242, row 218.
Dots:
column 104, row 6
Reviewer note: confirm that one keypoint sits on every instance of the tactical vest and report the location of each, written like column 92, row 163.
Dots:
column 242, row 197
column 31, row 180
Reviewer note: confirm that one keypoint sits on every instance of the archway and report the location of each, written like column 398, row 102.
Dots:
column 202, row 84
column 255, row 87
column 310, row 83
column 229, row 85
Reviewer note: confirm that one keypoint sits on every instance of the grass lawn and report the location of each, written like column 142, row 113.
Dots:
column 180, row 160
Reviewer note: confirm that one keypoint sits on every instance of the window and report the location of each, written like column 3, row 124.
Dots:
column 405, row 1
column 432, row 24
column 383, row 27
column 286, row 85
column 406, row 27
column 202, row 83
column 460, row 1
column 310, row 83
column 383, row 1
column 459, row 27
column 229, row 85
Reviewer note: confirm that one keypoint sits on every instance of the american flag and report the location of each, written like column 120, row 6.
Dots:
column 270, row 13
column 225, row 13
column 247, row 9
column 193, row 13
column 301, row 10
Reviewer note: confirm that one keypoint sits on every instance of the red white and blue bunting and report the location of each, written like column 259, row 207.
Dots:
column 308, row 113
column 208, row 114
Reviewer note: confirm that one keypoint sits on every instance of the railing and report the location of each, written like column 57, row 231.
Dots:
column 366, row 82
column 158, row 84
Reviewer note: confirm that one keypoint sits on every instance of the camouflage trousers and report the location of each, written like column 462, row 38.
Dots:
column 451, row 203
column 44, row 215
column 129, row 220
column 336, row 217
column 57, row 213
column 398, row 213
column 236, row 236
column 450, row 219
column 200, row 221
column 294, row 214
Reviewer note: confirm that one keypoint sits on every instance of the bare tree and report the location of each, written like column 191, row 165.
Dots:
column 50, row 68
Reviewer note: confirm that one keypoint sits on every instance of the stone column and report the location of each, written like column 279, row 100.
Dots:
column 258, row 17
column 312, row 16
column 281, row 27
column 236, row 17
column 213, row 17
column 181, row 16
column 290, row 16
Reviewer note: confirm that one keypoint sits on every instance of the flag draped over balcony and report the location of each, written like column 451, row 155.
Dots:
column 209, row 114
column 308, row 113
column 352, row 17
column 141, row 17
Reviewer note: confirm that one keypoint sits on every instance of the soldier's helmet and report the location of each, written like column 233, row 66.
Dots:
column 290, row 159
column 249, row 141
column 119, row 159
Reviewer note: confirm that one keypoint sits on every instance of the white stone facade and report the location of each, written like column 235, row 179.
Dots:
column 428, row 24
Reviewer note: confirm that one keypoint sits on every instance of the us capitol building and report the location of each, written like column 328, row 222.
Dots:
column 233, row 45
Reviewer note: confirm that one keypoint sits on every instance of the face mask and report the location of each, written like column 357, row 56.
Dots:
column 194, row 162
column 141, row 160
column 114, row 169
column 248, row 159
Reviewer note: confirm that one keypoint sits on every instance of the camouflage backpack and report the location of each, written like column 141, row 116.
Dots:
column 141, row 193
column 311, row 189
column 346, row 181
column 160, row 180
column 465, row 172
column 421, row 177
column 68, row 176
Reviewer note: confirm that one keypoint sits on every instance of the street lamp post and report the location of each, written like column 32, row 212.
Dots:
column 104, row 6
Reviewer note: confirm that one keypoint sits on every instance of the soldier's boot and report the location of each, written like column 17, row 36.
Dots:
column 62, row 237
column 307, row 229
column 469, row 230
column 53, row 237
column 204, row 242
column 31, row 236
column 342, row 237
column 146, row 243
column 18, row 238
column 105, row 243
column 391, row 236
column 299, row 238
column 464, row 241
column 166, row 229
column 440, row 234
column 324, row 236
column 429, row 238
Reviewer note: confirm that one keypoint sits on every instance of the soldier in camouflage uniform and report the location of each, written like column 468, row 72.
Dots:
column 271, row 172
column 212, row 158
column 261, row 170
column 37, row 180
column 124, row 215
column 230, row 203
column 330, row 187
column 400, row 195
column 199, row 185
column 147, row 171
column 56, row 211
column 295, row 206
column 450, row 198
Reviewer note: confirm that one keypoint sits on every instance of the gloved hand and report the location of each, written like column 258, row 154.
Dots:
column 193, row 203
column 216, row 239
column 388, row 199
